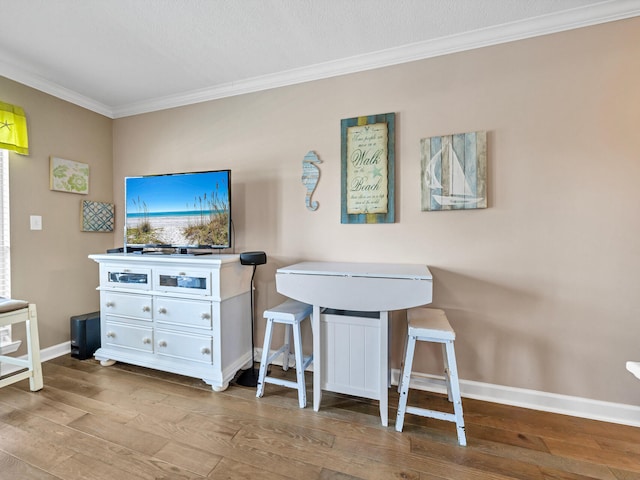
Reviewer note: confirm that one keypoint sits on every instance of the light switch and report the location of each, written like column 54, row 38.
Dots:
column 36, row 222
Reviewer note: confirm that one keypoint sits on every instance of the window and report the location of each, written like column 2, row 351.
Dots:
column 5, row 258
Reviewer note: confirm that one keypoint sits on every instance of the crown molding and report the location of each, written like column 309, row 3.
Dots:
column 607, row 11
column 39, row 83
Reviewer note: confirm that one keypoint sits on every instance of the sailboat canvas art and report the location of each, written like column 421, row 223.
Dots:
column 454, row 171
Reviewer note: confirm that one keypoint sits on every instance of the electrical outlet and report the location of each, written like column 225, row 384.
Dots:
column 36, row 222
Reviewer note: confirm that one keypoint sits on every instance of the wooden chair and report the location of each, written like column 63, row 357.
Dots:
column 290, row 313
column 17, row 311
column 431, row 325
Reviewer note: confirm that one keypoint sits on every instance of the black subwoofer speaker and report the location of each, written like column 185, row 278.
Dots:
column 85, row 335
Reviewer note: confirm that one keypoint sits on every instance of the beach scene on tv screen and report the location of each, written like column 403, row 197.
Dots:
column 190, row 209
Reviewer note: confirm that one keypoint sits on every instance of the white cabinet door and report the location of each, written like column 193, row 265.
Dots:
column 351, row 353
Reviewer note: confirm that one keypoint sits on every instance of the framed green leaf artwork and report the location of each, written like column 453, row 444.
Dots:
column 368, row 169
column 68, row 176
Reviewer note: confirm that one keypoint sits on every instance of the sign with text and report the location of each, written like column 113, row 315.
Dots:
column 368, row 169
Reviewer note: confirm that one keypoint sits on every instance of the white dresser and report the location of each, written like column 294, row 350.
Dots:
column 189, row 315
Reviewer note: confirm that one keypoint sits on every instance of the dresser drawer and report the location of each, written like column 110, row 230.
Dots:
column 189, row 281
column 126, row 305
column 197, row 348
column 176, row 311
column 120, row 276
column 128, row 336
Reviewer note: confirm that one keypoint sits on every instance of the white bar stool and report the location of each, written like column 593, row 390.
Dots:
column 289, row 313
column 17, row 311
column 431, row 325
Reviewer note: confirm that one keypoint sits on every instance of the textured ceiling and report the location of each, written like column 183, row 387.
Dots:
column 121, row 57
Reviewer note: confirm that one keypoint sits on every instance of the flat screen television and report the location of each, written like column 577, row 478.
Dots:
column 181, row 211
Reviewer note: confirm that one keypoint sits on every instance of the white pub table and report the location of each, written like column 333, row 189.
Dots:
column 355, row 287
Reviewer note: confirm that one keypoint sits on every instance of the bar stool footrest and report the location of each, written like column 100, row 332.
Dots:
column 282, row 382
column 276, row 354
column 425, row 412
column 307, row 361
column 18, row 362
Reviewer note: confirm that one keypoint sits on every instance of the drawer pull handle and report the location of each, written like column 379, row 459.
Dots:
column 205, row 316
column 111, row 335
column 162, row 310
column 182, row 274
column 162, row 343
column 110, row 304
column 146, row 340
column 126, row 270
column 146, row 308
column 206, row 350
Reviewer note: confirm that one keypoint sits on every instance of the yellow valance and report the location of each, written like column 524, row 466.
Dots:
column 13, row 129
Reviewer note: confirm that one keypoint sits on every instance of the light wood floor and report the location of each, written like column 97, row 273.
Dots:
column 123, row 422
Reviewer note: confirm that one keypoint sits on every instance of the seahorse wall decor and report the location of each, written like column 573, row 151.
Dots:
column 310, row 176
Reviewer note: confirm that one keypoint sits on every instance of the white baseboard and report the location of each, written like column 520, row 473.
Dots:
column 533, row 399
column 518, row 397
column 521, row 397
column 55, row 351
